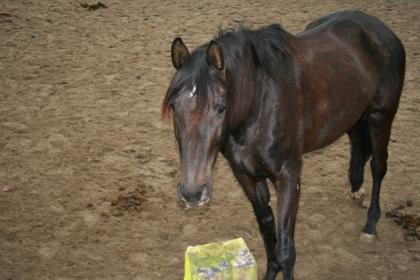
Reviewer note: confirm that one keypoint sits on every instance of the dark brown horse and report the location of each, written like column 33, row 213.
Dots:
column 264, row 97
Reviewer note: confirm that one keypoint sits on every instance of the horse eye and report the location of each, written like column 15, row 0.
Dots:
column 221, row 109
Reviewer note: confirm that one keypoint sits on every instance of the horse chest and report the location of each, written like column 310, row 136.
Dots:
column 246, row 159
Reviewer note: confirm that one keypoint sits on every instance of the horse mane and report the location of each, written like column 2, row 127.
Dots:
column 251, row 57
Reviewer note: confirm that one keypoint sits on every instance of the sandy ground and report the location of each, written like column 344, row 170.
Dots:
column 88, row 170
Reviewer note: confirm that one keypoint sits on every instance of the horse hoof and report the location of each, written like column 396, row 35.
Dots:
column 359, row 195
column 366, row 237
column 360, row 198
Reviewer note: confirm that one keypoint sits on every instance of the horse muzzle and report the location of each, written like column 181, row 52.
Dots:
column 194, row 197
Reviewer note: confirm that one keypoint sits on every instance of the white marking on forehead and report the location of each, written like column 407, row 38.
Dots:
column 192, row 92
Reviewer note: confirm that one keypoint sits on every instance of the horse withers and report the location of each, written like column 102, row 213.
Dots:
column 265, row 97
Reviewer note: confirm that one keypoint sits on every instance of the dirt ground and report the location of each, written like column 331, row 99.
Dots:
column 88, row 169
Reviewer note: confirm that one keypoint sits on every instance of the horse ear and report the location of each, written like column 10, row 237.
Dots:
column 215, row 56
column 179, row 53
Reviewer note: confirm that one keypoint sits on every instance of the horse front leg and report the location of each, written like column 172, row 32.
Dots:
column 288, row 190
column 259, row 195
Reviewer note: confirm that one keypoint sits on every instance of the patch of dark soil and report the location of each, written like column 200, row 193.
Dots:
column 93, row 7
column 131, row 201
column 408, row 221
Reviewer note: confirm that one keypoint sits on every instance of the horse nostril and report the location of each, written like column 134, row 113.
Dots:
column 205, row 191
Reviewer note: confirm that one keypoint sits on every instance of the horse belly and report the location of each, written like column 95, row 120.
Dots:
column 333, row 112
column 329, row 129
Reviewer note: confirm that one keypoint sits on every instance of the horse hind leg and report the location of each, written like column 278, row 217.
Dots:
column 361, row 149
column 380, row 133
column 380, row 117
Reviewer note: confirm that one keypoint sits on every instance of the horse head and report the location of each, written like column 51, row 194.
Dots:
column 197, row 99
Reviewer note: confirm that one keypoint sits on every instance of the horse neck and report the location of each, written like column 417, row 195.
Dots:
column 257, row 67
column 242, row 84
